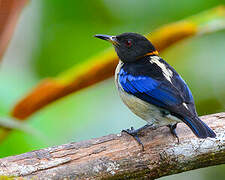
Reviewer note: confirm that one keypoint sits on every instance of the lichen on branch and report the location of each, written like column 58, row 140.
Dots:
column 118, row 156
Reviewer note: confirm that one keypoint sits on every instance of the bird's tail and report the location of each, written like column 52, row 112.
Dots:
column 199, row 128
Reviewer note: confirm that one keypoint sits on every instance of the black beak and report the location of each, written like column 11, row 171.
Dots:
column 111, row 39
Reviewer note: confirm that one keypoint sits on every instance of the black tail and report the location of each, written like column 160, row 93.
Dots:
column 199, row 128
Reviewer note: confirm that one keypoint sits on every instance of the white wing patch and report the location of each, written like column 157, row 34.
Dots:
column 185, row 105
column 166, row 72
column 118, row 67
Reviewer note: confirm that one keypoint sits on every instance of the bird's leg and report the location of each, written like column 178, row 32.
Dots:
column 134, row 133
column 173, row 131
column 165, row 113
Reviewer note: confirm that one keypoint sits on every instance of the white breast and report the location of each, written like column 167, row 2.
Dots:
column 144, row 110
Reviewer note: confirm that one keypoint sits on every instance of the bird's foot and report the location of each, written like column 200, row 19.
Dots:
column 165, row 113
column 173, row 132
column 134, row 133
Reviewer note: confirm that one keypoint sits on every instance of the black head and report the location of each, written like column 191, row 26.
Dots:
column 129, row 46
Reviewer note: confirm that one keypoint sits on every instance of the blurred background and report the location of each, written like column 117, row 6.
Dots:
column 52, row 36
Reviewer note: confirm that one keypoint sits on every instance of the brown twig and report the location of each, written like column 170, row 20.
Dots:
column 9, row 14
column 120, row 157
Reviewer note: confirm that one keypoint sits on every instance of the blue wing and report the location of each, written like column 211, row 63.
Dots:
column 157, row 92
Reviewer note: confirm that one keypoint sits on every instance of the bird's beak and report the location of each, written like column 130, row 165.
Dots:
column 111, row 39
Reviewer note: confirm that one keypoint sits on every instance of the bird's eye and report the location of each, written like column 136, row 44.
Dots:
column 128, row 43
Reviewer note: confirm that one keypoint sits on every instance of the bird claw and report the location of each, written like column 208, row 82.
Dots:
column 134, row 133
column 153, row 127
column 173, row 132
column 130, row 131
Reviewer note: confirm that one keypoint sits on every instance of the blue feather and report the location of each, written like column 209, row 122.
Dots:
column 192, row 126
column 199, row 128
column 181, row 84
column 148, row 89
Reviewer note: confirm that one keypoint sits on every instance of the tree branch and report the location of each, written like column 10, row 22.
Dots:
column 120, row 157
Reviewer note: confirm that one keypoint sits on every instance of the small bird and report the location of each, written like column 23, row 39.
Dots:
column 152, row 89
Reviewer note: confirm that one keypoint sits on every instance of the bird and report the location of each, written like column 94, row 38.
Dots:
column 151, row 88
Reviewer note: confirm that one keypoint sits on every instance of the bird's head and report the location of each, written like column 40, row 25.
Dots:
column 130, row 46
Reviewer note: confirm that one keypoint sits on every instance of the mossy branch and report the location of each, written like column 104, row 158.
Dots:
column 120, row 157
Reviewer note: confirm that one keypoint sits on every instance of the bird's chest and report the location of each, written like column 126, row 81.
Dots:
column 136, row 105
column 144, row 110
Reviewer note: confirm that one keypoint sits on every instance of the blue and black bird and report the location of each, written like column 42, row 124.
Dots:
column 151, row 88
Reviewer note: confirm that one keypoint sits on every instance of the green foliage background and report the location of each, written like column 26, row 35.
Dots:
column 54, row 35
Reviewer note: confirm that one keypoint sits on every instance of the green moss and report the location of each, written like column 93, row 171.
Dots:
column 6, row 178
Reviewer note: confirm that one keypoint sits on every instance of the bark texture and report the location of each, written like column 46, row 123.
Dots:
column 118, row 156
